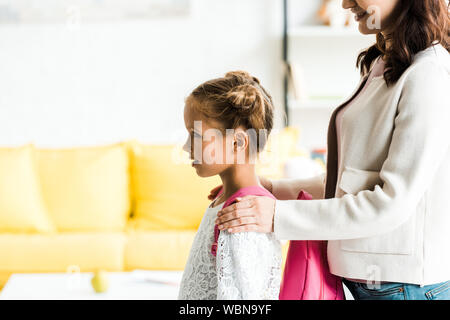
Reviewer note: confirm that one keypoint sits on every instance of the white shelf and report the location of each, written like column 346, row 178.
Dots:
column 324, row 31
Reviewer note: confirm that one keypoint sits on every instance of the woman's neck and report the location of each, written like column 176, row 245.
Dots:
column 237, row 177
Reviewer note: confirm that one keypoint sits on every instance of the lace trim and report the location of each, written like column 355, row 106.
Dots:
column 247, row 265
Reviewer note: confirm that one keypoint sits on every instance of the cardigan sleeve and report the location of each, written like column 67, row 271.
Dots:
column 419, row 144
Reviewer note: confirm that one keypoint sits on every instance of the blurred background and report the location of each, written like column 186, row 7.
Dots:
column 92, row 96
column 89, row 72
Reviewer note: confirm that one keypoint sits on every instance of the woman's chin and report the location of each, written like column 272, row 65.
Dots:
column 363, row 29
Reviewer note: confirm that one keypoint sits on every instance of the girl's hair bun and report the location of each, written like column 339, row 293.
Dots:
column 238, row 99
column 243, row 75
column 243, row 96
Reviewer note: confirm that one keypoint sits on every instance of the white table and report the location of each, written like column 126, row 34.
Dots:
column 140, row 285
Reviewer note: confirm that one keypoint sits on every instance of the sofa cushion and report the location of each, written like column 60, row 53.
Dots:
column 86, row 189
column 158, row 250
column 167, row 193
column 87, row 251
column 164, row 250
column 4, row 277
column 22, row 208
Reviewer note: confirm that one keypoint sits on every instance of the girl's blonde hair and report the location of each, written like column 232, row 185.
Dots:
column 235, row 100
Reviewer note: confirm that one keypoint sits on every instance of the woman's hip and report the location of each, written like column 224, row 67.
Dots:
column 398, row 291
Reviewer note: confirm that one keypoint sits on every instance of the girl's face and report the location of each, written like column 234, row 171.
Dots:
column 210, row 150
column 374, row 16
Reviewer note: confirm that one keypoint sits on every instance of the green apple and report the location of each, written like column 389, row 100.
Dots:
column 100, row 281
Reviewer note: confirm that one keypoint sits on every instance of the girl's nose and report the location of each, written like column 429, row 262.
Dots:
column 187, row 145
column 347, row 4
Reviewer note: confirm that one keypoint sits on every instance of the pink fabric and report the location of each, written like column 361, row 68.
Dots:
column 247, row 191
column 306, row 274
column 377, row 71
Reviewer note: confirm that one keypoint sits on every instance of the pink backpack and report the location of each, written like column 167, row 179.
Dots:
column 306, row 274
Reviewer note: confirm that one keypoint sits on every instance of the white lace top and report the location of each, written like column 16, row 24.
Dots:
column 247, row 265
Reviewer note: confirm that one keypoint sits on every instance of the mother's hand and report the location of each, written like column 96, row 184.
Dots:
column 250, row 213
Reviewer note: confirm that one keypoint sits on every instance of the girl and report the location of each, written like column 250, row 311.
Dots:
column 222, row 265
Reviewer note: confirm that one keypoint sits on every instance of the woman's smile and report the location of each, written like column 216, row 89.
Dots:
column 360, row 15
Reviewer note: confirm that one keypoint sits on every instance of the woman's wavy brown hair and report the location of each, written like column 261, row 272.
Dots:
column 418, row 25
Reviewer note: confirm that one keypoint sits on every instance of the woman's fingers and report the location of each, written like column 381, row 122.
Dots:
column 235, row 214
column 250, row 210
column 241, row 221
column 238, row 223
column 242, row 203
column 247, row 228
column 213, row 193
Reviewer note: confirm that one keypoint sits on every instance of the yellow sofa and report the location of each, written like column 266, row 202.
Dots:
column 119, row 207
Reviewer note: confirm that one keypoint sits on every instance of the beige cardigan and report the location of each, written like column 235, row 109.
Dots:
column 385, row 208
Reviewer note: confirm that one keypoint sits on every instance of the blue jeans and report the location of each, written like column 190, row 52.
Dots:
column 399, row 291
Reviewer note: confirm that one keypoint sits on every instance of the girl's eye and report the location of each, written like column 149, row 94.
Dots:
column 194, row 136
column 197, row 135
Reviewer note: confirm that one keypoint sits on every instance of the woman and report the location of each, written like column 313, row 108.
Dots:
column 384, row 203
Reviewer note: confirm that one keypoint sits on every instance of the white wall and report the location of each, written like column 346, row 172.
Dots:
column 110, row 81
column 106, row 82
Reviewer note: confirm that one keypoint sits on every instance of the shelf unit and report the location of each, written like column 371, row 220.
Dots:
column 321, row 60
column 300, row 41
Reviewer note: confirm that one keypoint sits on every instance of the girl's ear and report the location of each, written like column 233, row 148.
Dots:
column 241, row 140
